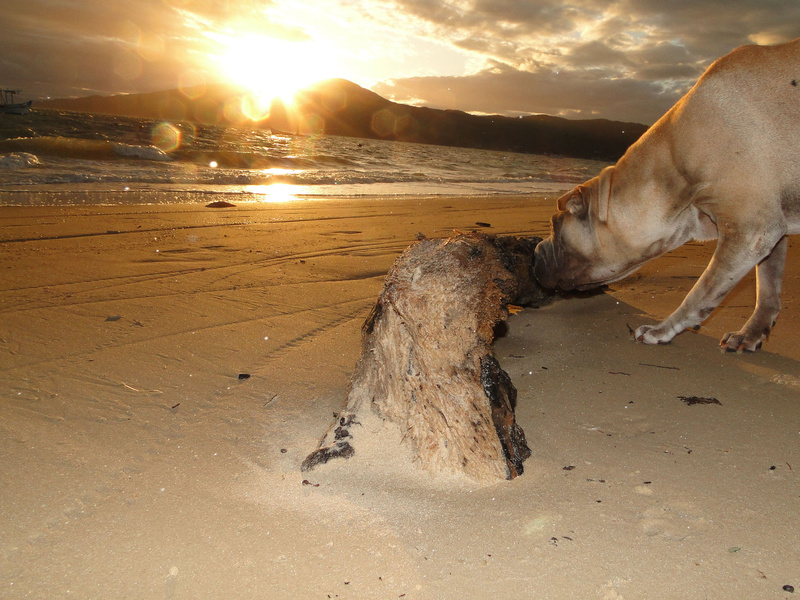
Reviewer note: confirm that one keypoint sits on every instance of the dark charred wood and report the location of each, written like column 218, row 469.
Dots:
column 502, row 396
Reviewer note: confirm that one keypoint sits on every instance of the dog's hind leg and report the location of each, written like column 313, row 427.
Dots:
column 769, row 276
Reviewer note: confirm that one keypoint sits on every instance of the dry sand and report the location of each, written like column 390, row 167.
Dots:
column 137, row 464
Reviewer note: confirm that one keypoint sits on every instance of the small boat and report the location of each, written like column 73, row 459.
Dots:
column 9, row 107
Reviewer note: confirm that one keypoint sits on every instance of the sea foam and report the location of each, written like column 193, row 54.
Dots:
column 18, row 160
column 145, row 152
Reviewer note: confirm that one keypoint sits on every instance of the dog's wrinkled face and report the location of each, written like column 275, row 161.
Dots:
column 583, row 250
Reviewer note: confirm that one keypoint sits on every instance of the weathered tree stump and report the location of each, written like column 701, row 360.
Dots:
column 427, row 365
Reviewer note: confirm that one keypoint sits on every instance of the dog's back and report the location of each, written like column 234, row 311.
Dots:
column 739, row 127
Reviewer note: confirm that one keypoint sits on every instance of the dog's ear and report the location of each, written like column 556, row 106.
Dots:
column 578, row 200
column 575, row 201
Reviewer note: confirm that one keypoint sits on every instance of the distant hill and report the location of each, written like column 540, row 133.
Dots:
column 340, row 107
column 202, row 105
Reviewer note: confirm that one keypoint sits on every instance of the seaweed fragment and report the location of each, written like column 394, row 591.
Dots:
column 692, row 400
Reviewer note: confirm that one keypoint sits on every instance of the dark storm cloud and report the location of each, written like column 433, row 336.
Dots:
column 629, row 59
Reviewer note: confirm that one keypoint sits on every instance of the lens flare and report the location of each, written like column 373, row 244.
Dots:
column 166, row 136
column 256, row 107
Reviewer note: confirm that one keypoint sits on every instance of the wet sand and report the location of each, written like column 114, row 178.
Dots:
column 140, row 462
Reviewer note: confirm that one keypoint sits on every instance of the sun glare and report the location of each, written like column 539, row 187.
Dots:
column 275, row 192
column 272, row 68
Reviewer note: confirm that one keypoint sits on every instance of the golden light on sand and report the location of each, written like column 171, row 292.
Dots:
column 271, row 68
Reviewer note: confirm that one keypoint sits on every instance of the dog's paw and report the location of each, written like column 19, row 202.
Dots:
column 650, row 334
column 741, row 341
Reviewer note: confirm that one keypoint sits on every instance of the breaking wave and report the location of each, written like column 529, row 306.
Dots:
column 78, row 148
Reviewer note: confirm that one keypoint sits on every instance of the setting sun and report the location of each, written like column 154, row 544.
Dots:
column 272, row 68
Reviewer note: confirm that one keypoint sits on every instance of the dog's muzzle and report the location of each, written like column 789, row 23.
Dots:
column 544, row 264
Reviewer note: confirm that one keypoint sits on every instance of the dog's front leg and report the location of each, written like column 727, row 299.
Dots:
column 769, row 277
column 735, row 255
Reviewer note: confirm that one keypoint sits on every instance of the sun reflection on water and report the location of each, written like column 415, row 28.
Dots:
column 279, row 171
column 275, row 192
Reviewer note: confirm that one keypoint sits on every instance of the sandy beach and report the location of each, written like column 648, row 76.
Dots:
column 164, row 370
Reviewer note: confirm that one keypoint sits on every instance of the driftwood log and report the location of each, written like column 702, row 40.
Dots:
column 427, row 365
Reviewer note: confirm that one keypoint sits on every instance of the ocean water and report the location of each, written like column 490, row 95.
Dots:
column 52, row 157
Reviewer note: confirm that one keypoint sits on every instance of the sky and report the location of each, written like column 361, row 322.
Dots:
column 627, row 60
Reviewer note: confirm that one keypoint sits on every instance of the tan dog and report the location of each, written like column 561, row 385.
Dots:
column 724, row 163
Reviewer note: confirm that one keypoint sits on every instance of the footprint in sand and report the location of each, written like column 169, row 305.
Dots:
column 787, row 380
column 674, row 521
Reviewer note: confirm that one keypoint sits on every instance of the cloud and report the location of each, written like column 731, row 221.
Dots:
column 620, row 59
column 573, row 94
column 596, row 54
column 82, row 47
column 94, row 46
column 625, row 59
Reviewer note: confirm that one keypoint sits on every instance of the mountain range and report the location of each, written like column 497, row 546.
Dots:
column 340, row 107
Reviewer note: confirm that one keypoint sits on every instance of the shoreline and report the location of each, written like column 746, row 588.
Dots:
column 139, row 462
